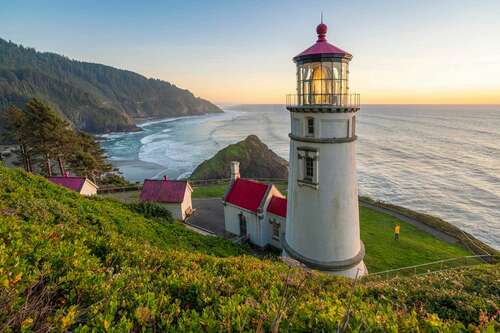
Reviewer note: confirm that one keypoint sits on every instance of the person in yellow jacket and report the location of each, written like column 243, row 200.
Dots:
column 397, row 229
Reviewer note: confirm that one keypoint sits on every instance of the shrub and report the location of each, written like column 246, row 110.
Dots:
column 151, row 210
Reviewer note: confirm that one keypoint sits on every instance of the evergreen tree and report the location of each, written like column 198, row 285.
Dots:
column 51, row 137
column 89, row 160
column 44, row 138
column 17, row 128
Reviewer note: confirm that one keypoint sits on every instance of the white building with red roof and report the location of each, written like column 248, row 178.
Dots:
column 254, row 209
column 175, row 195
column 81, row 185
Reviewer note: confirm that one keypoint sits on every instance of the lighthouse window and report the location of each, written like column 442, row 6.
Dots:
column 308, row 166
column 309, row 169
column 310, row 126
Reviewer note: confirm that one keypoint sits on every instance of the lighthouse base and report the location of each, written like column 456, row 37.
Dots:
column 359, row 270
column 350, row 268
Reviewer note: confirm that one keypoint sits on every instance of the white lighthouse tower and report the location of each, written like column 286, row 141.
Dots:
column 322, row 226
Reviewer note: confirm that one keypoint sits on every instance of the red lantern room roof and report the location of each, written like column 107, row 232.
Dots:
column 322, row 47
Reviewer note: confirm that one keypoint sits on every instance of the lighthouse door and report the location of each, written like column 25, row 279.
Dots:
column 243, row 225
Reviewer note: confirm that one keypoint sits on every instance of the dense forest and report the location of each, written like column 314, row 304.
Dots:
column 92, row 97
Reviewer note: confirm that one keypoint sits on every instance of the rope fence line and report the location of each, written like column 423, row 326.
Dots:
column 193, row 183
column 432, row 267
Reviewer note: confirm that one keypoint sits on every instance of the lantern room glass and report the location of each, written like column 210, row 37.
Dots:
column 324, row 82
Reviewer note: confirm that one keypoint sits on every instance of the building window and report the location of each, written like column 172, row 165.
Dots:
column 243, row 224
column 309, row 169
column 276, row 230
column 310, row 127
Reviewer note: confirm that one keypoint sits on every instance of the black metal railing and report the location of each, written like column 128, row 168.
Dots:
column 323, row 100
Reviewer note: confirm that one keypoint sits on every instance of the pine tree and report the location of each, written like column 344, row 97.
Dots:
column 44, row 137
column 51, row 137
column 18, row 128
column 89, row 160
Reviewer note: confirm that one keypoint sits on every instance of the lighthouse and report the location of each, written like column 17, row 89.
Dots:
column 322, row 224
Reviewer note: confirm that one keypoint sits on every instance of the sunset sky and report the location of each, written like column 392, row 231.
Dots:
column 440, row 51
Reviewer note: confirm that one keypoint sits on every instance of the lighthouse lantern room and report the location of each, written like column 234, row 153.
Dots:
column 322, row 227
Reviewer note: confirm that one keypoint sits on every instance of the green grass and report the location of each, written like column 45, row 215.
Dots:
column 382, row 251
column 69, row 263
column 126, row 197
column 414, row 246
column 211, row 191
column 466, row 239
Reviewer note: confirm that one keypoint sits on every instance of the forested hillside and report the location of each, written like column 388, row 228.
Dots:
column 93, row 97
column 74, row 264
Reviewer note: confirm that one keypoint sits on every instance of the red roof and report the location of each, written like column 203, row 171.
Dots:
column 322, row 46
column 247, row 194
column 166, row 191
column 73, row 183
column 277, row 206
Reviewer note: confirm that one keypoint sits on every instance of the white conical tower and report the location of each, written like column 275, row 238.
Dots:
column 322, row 226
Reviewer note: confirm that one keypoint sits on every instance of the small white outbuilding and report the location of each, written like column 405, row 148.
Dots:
column 254, row 210
column 175, row 195
column 82, row 185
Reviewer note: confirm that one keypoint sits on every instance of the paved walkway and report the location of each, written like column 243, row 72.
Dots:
column 208, row 215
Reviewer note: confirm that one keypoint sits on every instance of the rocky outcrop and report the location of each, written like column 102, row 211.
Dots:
column 256, row 161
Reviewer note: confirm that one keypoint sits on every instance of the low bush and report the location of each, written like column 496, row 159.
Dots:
column 151, row 210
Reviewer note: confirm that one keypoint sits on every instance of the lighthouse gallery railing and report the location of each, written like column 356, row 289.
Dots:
column 325, row 100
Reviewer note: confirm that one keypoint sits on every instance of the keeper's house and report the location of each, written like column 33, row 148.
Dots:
column 175, row 195
column 254, row 210
column 81, row 185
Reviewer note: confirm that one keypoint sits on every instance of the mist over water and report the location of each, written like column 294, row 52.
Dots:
column 442, row 160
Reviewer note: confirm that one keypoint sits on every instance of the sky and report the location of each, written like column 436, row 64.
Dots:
column 240, row 51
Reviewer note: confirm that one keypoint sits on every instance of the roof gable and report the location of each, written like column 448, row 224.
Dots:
column 164, row 191
column 72, row 183
column 277, row 206
column 247, row 194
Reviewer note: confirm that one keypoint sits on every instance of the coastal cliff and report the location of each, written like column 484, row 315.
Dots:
column 256, row 161
column 94, row 98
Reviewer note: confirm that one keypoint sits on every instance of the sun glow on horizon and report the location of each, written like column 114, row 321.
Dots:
column 425, row 52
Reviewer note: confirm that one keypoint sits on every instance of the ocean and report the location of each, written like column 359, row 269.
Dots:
column 441, row 160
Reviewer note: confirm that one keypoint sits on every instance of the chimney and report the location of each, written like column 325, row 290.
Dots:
column 235, row 170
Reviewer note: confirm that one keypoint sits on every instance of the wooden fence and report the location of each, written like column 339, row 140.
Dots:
column 193, row 183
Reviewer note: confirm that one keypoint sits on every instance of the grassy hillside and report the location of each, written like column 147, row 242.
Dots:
column 77, row 264
column 95, row 98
